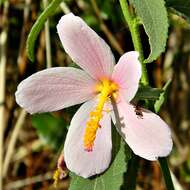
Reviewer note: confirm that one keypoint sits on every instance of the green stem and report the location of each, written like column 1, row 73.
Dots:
column 134, row 30
column 132, row 171
column 166, row 173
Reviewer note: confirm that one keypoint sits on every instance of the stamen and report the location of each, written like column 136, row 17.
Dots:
column 61, row 172
column 106, row 89
column 56, row 177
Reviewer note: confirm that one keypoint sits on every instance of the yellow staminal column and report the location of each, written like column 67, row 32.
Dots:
column 106, row 89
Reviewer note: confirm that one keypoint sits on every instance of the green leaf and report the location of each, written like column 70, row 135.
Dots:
column 148, row 93
column 51, row 130
column 113, row 177
column 181, row 6
column 153, row 15
column 158, row 104
column 37, row 27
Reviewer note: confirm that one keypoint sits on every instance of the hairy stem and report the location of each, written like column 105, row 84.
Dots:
column 134, row 30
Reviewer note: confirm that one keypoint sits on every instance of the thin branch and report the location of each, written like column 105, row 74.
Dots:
column 47, row 39
column 177, row 185
column 12, row 142
column 26, row 149
column 19, row 123
column 28, row 181
column 3, row 60
column 21, row 60
column 113, row 41
column 65, row 8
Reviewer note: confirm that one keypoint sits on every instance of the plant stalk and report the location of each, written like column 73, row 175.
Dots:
column 12, row 142
column 3, row 60
column 134, row 30
column 47, row 39
column 166, row 173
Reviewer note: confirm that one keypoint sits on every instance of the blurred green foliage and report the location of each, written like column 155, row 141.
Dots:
column 52, row 130
column 182, row 7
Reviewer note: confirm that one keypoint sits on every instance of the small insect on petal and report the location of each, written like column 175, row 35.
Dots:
column 138, row 111
column 145, row 132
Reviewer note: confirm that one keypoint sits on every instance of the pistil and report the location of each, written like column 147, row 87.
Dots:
column 106, row 89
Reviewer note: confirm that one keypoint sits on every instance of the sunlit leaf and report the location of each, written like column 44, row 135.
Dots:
column 148, row 93
column 154, row 18
column 158, row 104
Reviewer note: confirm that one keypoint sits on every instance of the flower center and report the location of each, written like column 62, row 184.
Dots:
column 105, row 89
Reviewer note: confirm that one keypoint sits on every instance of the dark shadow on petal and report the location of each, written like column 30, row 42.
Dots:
column 119, row 120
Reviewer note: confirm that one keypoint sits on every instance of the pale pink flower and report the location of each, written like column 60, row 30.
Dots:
column 88, row 144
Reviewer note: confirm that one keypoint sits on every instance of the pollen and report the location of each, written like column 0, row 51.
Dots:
column 106, row 89
column 56, row 177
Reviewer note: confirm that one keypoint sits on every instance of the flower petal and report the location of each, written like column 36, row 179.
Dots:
column 78, row 160
column 127, row 73
column 54, row 89
column 148, row 135
column 85, row 47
